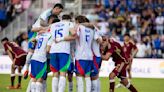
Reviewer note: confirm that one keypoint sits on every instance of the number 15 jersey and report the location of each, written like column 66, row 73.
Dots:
column 60, row 30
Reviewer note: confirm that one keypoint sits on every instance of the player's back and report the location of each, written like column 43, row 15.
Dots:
column 60, row 30
column 14, row 49
column 83, row 43
column 118, row 53
column 40, row 49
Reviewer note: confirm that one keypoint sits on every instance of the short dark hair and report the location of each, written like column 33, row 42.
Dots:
column 126, row 35
column 80, row 19
column 59, row 6
column 56, row 20
column 4, row 39
column 66, row 17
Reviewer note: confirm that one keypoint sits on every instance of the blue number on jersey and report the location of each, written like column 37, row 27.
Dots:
column 58, row 32
column 39, row 43
column 87, row 37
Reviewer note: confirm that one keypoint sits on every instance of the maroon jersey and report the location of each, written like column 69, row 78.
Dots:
column 14, row 49
column 128, row 48
column 117, row 52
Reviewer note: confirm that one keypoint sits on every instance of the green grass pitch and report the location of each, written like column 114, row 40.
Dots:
column 142, row 84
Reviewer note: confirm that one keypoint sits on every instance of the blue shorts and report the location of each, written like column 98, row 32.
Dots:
column 38, row 69
column 71, row 68
column 96, row 64
column 59, row 62
column 31, row 45
column 83, row 67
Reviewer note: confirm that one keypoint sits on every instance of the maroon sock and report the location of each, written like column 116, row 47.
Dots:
column 132, row 88
column 19, row 79
column 12, row 80
column 112, row 84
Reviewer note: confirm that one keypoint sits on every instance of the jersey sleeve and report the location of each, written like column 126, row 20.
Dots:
column 96, row 35
column 44, row 15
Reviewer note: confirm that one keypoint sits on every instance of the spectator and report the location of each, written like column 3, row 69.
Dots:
column 24, row 43
column 159, row 24
column 142, row 50
column 3, row 22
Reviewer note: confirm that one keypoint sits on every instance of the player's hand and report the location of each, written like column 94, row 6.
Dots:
column 57, row 40
column 25, row 75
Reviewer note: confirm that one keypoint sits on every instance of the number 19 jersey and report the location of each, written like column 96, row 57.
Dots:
column 60, row 30
column 40, row 51
column 84, row 43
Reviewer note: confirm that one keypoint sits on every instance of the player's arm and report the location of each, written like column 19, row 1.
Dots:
column 10, row 55
column 135, row 49
column 106, row 56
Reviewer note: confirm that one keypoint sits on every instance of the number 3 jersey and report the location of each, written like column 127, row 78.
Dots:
column 60, row 30
column 84, row 43
column 40, row 51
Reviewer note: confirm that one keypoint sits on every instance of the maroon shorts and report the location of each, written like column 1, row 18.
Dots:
column 20, row 61
column 120, row 70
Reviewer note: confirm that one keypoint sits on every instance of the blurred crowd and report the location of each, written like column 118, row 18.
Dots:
column 142, row 19
column 9, row 9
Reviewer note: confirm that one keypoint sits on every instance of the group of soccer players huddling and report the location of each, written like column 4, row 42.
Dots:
column 63, row 47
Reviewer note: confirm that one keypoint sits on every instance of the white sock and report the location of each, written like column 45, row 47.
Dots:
column 39, row 87
column 29, row 86
column 70, row 87
column 33, row 87
column 55, row 81
column 88, row 84
column 99, row 85
column 80, row 85
column 62, row 84
column 28, row 58
column 44, row 86
column 94, row 85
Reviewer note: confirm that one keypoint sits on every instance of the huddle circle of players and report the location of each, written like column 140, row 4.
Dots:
column 64, row 47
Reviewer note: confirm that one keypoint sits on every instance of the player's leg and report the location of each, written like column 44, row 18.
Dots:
column 95, row 74
column 70, row 82
column 129, row 70
column 88, row 65
column 41, row 75
column 29, row 86
column 79, row 75
column 64, row 63
column 125, row 81
column 112, row 75
column 19, row 77
column 33, row 75
column 128, row 85
column 70, row 75
column 54, row 67
column 13, row 68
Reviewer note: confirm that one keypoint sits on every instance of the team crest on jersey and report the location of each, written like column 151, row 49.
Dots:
column 125, row 49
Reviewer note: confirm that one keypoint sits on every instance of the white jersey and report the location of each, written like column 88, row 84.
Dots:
column 59, row 30
column 40, row 51
column 83, row 43
column 96, row 45
column 44, row 16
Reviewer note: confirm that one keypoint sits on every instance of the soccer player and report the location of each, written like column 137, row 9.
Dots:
column 41, row 25
column 51, row 19
column 83, row 54
column 116, row 52
column 130, row 49
column 38, row 62
column 60, row 52
column 18, row 57
column 96, row 61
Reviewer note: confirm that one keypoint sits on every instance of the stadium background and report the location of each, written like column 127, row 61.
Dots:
column 142, row 19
